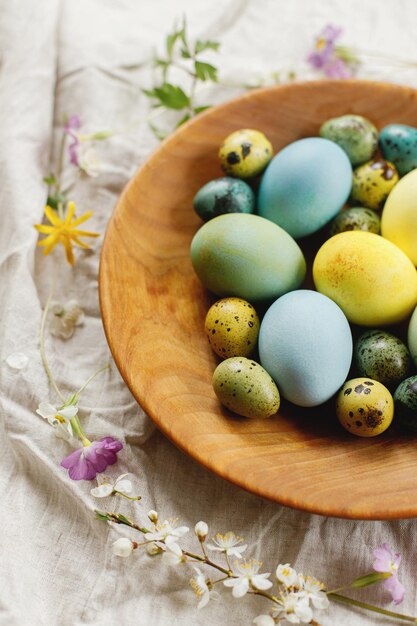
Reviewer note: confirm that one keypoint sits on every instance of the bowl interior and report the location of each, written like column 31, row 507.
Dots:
column 154, row 307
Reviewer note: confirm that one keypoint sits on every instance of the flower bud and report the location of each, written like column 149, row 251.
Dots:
column 201, row 530
column 153, row 516
column 152, row 549
column 123, row 547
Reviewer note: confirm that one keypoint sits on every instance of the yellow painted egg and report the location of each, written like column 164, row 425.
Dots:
column 399, row 217
column 364, row 407
column 372, row 182
column 371, row 279
column 232, row 327
column 245, row 153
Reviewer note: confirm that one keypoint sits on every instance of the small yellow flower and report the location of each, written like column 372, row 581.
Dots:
column 64, row 231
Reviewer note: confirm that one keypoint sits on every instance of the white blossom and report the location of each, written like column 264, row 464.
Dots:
column 89, row 162
column 106, row 488
column 313, row 589
column 59, row 418
column 287, row 575
column 200, row 588
column 17, row 360
column 201, row 530
column 228, row 544
column 167, row 532
column 264, row 620
column 65, row 318
column 173, row 554
column 248, row 576
column 153, row 549
column 123, row 547
column 294, row 608
column 153, row 516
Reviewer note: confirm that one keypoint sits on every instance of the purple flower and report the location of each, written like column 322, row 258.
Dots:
column 325, row 55
column 73, row 124
column 92, row 459
column 387, row 562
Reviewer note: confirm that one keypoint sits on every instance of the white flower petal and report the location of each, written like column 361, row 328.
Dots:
column 102, row 491
column 259, row 581
column 122, row 547
column 264, row 620
column 230, row 582
column 240, row 588
column 123, row 486
column 204, row 600
column 180, row 531
column 17, row 360
column 46, row 410
column 68, row 412
column 320, row 600
column 154, row 536
column 214, row 548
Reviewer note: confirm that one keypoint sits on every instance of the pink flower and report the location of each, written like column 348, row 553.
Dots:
column 327, row 57
column 387, row 562
column 73, row 124
column 92, row 459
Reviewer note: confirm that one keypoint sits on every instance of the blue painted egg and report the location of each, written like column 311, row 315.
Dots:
column 305, row 185
column 399, row 145
column 305, row 344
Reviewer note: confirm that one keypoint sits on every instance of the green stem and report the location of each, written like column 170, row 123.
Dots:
column 370, row 607
column 88, row 381
column 76, row 427
column 120, row 493
column 258, row 592
column 203, row 559
column 42, row 343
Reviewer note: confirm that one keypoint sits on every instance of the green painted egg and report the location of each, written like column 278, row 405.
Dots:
column 412, row 336
column 247, row 256
column 356, row 135
column 245, row 153
column 372, row 183
column 244, row 387
column 382, row 356
column 405, row 399
column 399, row 145
column 356, row 218
column 224, row 195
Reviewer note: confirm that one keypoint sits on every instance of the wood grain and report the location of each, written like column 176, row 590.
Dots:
column 154, row 307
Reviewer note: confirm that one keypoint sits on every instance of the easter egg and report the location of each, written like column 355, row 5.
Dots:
column 364, row 407
column 245, row 153
column 224, row 195
column 412, row 337
column 356, row 135
column 305, row 185
column 232, row 327
column 247, row 256
column 372, row 182
column 243, row 386
column 399, row 145
column 373, row 281
column 382, row 357
column 355, row 218
column 305, row 344
column 405, row 400
column 399, row 217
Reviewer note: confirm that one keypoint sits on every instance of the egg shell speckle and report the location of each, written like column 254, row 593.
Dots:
column 382, row 356
column 305, row 185
column 364, row 407
column 399, row 145
column 356, row 135
column 224, row 195
column 372, row 183
column 355, row 218
column 244, row 387
column 232, row 327
column 245, row 153
column 405, row 399
column 305, row 343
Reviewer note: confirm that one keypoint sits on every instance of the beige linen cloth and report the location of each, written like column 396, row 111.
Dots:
column 90, row 57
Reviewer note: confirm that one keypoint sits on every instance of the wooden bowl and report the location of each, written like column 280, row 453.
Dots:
column 154, row 307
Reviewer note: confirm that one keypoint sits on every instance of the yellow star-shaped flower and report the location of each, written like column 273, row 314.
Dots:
column 64, row 231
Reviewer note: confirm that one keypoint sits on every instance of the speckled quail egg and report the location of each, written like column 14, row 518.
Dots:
column 405, row 399
column 245, row 153
column 356, row 135
column 364, row 407
column 355, row 218
column 372, row 183
column 232, row 327
column 383, row 357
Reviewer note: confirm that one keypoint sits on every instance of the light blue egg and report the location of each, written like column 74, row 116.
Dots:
column 305, row 344
column 305, row 186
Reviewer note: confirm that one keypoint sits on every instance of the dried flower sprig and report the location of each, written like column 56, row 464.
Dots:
column 293, row 597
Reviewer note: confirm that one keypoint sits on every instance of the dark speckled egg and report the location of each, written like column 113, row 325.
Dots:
column 245, row 153
column 382, row 356
column 399, row 145
column 355, row 218
column 405, row 400
column 356, row 135
column 224, row 195
column 372, row 183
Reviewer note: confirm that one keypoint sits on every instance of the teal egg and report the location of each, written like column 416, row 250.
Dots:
column 247, row 256
column 356, row 135
column 412, row 336
column 305, row 185
column 399, row 145
column 405, row 400
column 224, row 195
column 356, row 218
column 305, row 343
column 382, row 356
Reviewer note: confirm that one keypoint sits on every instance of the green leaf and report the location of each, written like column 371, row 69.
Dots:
column 54, row 200
column 205, row 71
column 169, row 96
column 183, row 120
column 200, row 46
column 101, row 515
column 123, row 519
column 185, row 53
column 369, row 579
column 51, row 179
column 202, row 108
column 158, row 132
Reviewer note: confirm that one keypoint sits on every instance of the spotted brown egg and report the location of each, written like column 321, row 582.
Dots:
column 364, row 407
column 372, row 183
column 232, row 327
column 244, row 387
column 245, row 153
